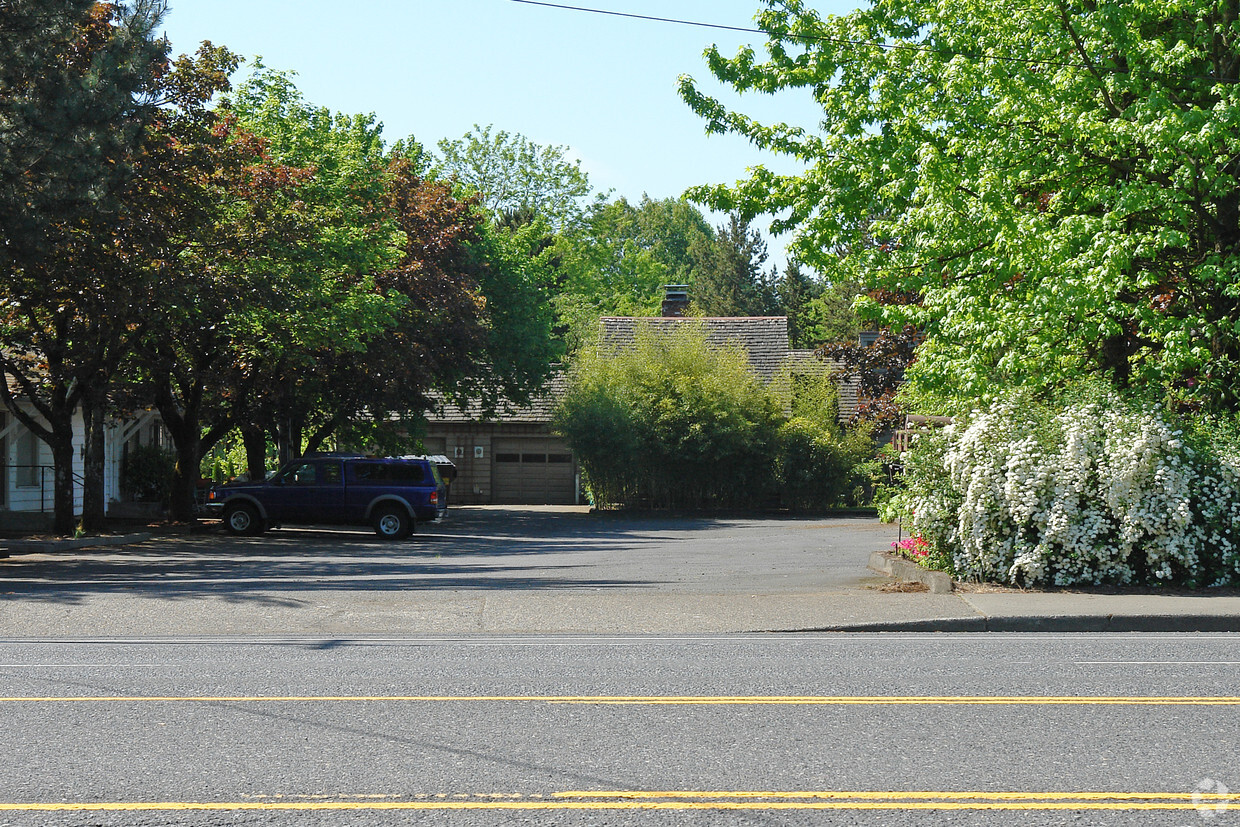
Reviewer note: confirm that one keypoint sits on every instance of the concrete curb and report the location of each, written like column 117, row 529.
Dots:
column 1059, row 623
column 49, row 546
column 908, row 571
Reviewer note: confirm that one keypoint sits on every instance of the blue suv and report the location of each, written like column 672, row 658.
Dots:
column 393, row 494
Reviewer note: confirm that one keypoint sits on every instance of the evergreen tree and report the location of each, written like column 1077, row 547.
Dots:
column 794, row 292
column 729, row 280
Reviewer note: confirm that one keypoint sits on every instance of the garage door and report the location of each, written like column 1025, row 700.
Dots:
column 532, row 472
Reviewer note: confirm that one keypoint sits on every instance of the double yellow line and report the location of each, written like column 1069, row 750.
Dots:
column 700, row 800
column 666, row 700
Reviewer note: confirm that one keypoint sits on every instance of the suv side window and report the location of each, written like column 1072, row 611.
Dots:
column 311, row 473
column 387, row 473
column 331, row 473
column 299, row 474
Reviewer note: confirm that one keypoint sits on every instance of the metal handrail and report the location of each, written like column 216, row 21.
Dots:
column 42, row 484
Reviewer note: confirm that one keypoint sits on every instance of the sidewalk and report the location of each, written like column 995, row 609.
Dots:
column 353, row 613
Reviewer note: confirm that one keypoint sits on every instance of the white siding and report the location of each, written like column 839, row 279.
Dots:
column 40, row 497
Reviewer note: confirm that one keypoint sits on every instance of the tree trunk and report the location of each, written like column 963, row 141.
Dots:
column 61, row 444
column 182, row 501
column 255, row 442
column 288, row 437
column 181, row 420
column 94, row 508
column 186, row 442
column 315, row 441
column 56, row 431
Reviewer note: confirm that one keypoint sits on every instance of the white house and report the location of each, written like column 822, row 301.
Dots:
column 26, row 471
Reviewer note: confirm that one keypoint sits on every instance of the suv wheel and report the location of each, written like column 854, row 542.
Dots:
column 392, row 523
column 242, row 518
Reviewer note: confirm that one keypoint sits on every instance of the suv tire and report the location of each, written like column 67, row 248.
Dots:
column 242, row 518
column 392, row 522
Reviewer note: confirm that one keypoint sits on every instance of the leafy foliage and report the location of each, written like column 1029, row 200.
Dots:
column 828, row 316
column 74, row 82
column 146, row 473
column 689, row 424
column 509, row 173
column 880, row 367
column 1058, row 187
column 618, row 262
column 795, row 293
column 400, row 289
column 730, row 280
column 674, row 422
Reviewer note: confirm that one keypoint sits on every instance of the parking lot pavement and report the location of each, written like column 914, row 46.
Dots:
column 492, row 570
column 483, row 570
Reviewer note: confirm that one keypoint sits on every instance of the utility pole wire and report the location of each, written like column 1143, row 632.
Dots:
column 911, row 47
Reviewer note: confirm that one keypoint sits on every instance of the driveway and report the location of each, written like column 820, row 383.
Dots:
column 484, row 569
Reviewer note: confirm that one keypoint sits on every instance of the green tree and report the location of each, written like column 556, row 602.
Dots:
column 512, row 174
column 317, row 298
column 76, row 86
column 514, row 271
column 829, row 316
column 618, row 262
column 394, row 289
column 795, row 293
column 232, row 220
column 1058, row 187
column 73, row 76
column 672, row 229
column 729, row 280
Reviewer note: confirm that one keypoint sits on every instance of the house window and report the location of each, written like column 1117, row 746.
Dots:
column 28, row 475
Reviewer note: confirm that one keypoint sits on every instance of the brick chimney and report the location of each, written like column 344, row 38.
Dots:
column 675, row 300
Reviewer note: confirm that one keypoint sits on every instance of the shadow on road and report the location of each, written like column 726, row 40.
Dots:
column 492, row 549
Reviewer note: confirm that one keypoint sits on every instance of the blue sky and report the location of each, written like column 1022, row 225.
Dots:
column 603, row 86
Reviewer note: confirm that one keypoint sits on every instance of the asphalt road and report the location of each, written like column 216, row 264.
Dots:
column 760, row 729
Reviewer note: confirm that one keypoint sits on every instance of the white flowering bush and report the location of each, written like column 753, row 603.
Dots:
column 1095, row 492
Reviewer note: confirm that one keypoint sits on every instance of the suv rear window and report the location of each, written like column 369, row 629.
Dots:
column 387, row 473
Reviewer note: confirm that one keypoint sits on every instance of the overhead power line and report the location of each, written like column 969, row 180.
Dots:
column 805, row 38
column 867, row 44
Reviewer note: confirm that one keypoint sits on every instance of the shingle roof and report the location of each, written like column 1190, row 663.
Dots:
column 765, row 338
column 538, row 410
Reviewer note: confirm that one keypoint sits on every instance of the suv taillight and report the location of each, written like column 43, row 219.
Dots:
column 434, row 498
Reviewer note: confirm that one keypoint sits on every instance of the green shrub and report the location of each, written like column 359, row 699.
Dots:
column 1093, row 490
column 670, row 422
column 146, row 473
column 676, row 422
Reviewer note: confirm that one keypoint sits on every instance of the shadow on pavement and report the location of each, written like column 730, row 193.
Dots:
column 488, row 550
column 483, row 548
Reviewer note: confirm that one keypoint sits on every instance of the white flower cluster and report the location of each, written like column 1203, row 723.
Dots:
column 1096, row 494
